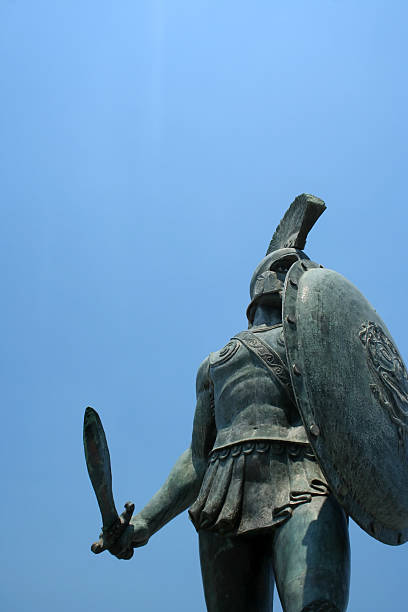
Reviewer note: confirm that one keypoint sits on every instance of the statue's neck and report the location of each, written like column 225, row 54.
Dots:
column 267, row 315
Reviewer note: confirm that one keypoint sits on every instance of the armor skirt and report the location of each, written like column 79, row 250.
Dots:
column 254, row 486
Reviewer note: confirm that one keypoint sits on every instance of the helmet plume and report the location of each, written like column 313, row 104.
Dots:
column 297, row 222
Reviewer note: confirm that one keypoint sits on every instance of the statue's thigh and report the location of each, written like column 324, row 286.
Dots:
column 311, row 555
column 237, row 572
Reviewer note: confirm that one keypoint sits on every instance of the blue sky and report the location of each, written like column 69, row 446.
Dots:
column 148, row 151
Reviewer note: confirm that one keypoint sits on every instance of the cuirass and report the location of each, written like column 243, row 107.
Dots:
column 249, row 401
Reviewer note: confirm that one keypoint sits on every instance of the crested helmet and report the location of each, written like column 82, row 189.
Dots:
column 285, row 248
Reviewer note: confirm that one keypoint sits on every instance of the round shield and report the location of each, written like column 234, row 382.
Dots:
column 351, row 386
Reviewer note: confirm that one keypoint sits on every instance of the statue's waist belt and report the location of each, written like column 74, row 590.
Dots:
column 267, row 431
column 292, row 449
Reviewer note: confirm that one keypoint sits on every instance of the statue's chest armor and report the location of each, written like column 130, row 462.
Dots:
column 246, row 393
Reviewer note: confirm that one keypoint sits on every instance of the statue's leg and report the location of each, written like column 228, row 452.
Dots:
column 311, row 556
column 237, row 572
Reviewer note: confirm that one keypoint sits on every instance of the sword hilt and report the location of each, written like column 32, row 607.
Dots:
column 110, row 535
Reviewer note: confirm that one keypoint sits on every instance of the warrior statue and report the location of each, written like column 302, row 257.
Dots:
column 300, row 421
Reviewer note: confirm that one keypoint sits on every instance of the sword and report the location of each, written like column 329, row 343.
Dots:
column 99, row 470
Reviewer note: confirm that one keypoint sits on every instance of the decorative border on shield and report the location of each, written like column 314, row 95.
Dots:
column 389, row 372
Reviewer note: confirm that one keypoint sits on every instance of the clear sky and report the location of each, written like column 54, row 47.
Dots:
column 148, row 150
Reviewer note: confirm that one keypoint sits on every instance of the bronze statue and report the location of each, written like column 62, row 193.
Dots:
column 300, row 421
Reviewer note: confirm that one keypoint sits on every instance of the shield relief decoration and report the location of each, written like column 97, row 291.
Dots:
column 351, row 387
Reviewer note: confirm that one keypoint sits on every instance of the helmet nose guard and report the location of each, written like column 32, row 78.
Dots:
column 286, row 246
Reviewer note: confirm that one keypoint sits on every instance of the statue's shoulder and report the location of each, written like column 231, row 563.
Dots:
column 225, row 353
column 271, row 335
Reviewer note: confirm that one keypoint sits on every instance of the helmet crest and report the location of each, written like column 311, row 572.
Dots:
column 297, row 222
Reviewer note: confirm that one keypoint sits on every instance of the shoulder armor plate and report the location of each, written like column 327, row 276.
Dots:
column 225, row 354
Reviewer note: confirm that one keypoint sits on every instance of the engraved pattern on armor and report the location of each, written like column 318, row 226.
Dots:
column 271, row 358
column 225, row 353
column 321, row 605
column 387, row 367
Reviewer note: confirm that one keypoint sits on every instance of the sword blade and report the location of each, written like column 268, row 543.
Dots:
column 99, row 466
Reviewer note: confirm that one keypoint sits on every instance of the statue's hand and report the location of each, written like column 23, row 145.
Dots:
column 135, row 535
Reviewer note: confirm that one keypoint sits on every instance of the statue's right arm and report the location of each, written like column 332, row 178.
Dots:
column 184, row 481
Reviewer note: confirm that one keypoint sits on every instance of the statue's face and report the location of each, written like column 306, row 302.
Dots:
column 268, row 280
column 269, row 287
column 277, row 275
column 280, row 269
